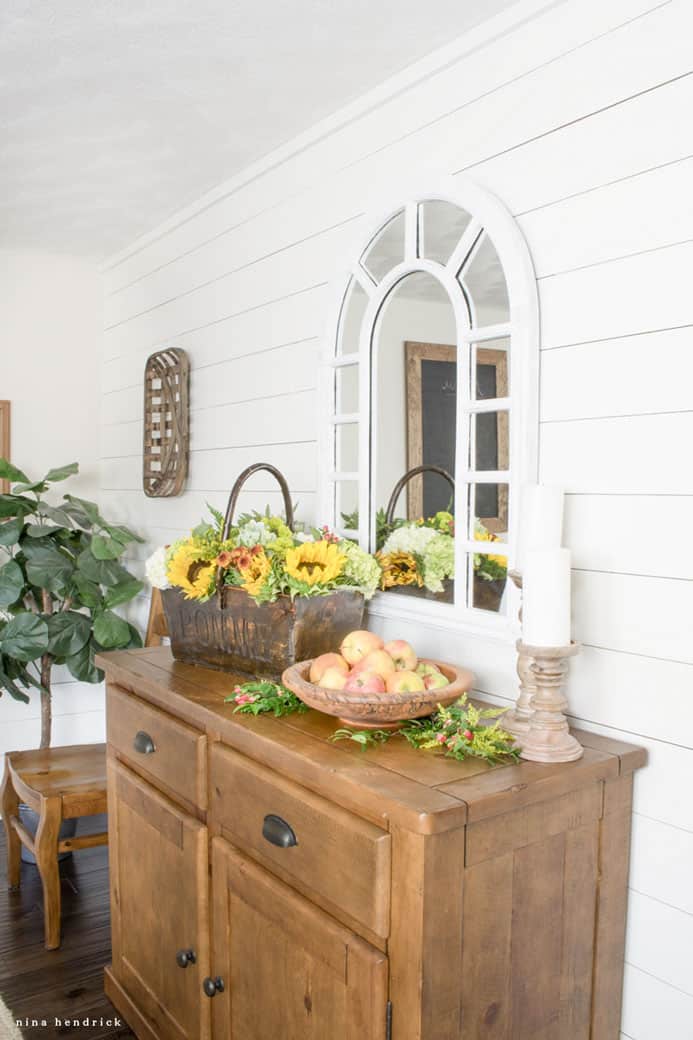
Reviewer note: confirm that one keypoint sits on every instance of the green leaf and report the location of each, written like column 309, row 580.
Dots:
column 135, row 639
column 24, row 637
column 106, row 548
column 47, row 567
column 102, row 572
column 123, row 592
column 41, row 530
column 58, row 516
column 8, row 683
column 10, row 472
column 10, row 530
column 80, row 506
column 123, row 534
column 11, row 583
column 67, row 633
column 82, row 664
column 38, row 485
column 89, row 594
column 111, row 631
column 62, row 472
column 14, row 505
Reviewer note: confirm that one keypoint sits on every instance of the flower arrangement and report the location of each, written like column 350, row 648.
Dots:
column 262, row 556
column 420, row 553
column 488, row 567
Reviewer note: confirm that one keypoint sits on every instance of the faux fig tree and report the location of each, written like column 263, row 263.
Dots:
column 60, row 578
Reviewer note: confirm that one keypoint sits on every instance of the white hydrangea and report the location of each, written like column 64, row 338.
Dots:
column 410, row 539
column 155, row 569
column 254, row 532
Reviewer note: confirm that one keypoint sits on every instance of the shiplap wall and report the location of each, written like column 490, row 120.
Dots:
column 577, row 115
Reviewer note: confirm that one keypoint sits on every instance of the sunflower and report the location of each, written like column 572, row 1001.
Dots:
column 315, row 563
column 256, row 571
column 482, row 534
column 399, row 568
column 188, row 572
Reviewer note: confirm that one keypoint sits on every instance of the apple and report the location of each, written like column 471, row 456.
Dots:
column 377, row 661
column 333, row 678
column 325, row 661
column 404, row 681
column 359, row 644
column 435, row 681
column 425, row 668
column 364, row 682
column 402, row 654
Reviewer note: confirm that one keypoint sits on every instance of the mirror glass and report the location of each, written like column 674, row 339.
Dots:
column 414, row 420
column 387, row 248
column 483, row 281
column 441, row 226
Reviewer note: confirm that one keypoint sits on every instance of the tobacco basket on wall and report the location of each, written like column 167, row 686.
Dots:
column 233, row 633
column 487, row 594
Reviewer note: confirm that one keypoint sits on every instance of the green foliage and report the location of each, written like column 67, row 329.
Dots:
column 60, row 578
column 363, row 737
column 259, row 697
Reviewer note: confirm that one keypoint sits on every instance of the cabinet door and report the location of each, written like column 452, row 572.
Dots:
column 289, row 970
column 159, row 905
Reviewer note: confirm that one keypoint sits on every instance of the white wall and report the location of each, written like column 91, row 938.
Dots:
column 51, row 317
column 579, row 120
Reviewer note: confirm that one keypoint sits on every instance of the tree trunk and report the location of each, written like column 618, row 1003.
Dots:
column 46, row 700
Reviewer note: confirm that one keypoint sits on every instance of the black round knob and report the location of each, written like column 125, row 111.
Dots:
column 185, row 957
column 213, row 986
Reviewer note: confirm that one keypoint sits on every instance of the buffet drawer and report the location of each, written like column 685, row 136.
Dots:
column 157, row 745
column 342, row 858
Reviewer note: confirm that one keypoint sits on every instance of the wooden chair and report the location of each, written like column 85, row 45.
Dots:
column 59, row 784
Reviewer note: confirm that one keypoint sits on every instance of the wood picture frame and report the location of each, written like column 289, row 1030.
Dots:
column 415, row 355
column 4, row 440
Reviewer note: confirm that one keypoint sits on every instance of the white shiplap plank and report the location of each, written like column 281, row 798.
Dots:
column 185, row 511
column 661, row 862
column 654, row 1010
column 659, row 941
column 648, row 616
column 630, row 534
column 642, row 213
column 618, row 298
column 634, row 455
column 617, row 377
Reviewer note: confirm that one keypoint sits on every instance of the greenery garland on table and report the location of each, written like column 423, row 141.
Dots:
column 460, row 730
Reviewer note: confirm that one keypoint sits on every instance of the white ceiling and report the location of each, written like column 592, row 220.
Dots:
column 116, row 113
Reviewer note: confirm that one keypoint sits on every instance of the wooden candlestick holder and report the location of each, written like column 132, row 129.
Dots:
column 516, row 720
column 548, row 738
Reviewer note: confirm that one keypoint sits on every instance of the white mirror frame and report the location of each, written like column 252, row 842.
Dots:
column 489, row 214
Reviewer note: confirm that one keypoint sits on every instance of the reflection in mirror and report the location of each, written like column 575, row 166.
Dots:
column 484, row 284
column 441, row 226
column 414, row 424
column 387, row 248
column 488, row 513
column 488, row 441
column 347, row 504
column 347, row 448
column 347, row 390
column 490, row 369
column 351, row 318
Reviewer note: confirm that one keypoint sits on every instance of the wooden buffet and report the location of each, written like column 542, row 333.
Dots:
column 267, row 884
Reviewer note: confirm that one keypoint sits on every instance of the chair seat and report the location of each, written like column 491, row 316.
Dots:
column 76, row 774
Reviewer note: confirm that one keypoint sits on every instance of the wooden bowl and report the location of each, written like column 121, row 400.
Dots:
column 377, row 710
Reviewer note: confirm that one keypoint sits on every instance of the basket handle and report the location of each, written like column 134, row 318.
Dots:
column 233, row 501
column 403, row 481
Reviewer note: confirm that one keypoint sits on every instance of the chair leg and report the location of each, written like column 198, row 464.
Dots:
column 9, row 804
column 46, row 851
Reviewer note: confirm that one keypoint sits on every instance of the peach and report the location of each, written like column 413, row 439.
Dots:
column 435, row 681
column 402, row 654
column 377, row 661
column 359, row 644
column 364, row 682
column 425, row 668
column 404, row 681
column 333, row 679
column 325, row 661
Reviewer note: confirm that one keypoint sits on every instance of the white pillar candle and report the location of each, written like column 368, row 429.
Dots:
column 546, row 598
column 541, row 521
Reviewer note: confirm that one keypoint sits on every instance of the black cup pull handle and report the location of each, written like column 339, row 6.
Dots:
column 211, row 987
column 185, row 957
column 143, row 743
column 278, row 832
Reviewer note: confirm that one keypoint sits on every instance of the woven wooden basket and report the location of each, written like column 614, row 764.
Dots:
column 233, row 633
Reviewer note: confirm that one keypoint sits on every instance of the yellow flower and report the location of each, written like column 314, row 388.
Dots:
column 255, row 574
column 315, row 562
column 482, row 534
column 399, row 568
column 188, row 572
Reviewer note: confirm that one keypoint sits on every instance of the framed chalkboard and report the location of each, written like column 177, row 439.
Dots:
column 431, row 428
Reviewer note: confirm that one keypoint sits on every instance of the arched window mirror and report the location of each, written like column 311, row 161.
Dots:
column 432, row 361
